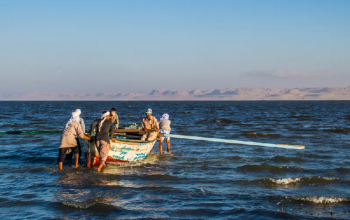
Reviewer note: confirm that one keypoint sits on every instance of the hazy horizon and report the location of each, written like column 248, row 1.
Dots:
column 134, row 46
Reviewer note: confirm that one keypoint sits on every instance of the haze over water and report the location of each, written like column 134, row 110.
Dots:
column 199, row 180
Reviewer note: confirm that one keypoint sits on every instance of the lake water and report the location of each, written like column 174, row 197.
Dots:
column 198, row 180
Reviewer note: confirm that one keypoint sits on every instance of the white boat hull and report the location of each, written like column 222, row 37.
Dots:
column 122, row 150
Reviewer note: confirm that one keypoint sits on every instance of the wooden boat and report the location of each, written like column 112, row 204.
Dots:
column 126, row 148
column 123, row 150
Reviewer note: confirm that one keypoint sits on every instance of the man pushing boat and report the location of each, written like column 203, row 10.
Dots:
column 104, row 134
column 69, row 139
column 150, row 123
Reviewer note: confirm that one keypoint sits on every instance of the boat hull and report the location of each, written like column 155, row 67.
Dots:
column 122, row 150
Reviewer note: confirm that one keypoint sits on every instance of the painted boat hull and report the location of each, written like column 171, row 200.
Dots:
column 123, row 150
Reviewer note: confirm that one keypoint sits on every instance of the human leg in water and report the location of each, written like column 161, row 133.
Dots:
column 104, row 149
column 168, row 146
column 76, row 160
column 60, row 159
column 76, row 155
column 160, row 146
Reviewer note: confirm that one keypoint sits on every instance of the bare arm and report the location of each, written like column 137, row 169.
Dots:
column 82, row 124
column 143, row 125
column 93, row 125
column 156, row 128
column 86, row 138
column 79, row 131
column 111, row 132
column 117, row 122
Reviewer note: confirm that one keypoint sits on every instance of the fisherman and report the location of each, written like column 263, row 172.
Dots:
column 115, row 117
column 82, row 124
column 104, row 134
column 69, row 140
column 164, row 124
column 151, row 126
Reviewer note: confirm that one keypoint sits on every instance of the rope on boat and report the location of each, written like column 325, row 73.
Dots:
column 296, row 147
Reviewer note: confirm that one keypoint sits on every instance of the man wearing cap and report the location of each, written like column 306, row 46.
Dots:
column 150, row 124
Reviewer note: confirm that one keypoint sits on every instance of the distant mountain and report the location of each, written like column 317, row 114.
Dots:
column 323, row 93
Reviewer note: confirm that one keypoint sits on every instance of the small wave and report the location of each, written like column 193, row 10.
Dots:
column 268, row 168
column 303, row 129
column 304, row 180
column 287, row 159
column 91, row 205
column 198, row 191
column 320, row 199
column 343, row 170
column 235, row 158
column 293, row 181
column 314, row 156
column 79, row 205
column 338, row 130
column 269, row 129
column 301, row 117
column 255, row 134
column 224, row 120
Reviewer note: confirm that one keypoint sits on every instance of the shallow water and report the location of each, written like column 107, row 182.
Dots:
column 198, row 180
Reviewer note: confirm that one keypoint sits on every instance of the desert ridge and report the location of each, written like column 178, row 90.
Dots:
column 320, row 93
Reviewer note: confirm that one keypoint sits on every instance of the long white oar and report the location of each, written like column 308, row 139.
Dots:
column 296, row 147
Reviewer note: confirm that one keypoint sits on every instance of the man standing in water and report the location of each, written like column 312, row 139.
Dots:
column 115, row 117
column 104, row 134
column 151, row 126
column 80, row 143
column 69, row 141
column 164, row 124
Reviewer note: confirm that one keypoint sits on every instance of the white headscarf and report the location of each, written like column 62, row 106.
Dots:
column 75, row 117
column 165, row 116
column 103, row 117
column 78, row 111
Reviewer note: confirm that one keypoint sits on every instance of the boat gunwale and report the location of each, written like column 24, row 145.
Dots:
column 131, row 142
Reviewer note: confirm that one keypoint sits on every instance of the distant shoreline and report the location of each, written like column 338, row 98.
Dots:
column 235, row 94
column 329, row 100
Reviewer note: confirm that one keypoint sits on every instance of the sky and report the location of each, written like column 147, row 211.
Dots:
column 138, row 45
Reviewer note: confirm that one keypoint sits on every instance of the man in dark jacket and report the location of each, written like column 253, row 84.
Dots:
column 104, row 134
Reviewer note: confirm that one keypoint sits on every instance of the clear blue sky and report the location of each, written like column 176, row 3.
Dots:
column 139, row 45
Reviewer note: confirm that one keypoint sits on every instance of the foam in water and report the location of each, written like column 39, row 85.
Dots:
column 313, row 179
column 285, row 181
column 321, row 199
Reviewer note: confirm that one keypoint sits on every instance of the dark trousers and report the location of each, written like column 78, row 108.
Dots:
column 70, row 155
column 62, row 153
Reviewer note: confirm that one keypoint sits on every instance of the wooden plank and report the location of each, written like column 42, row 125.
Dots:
column 129, row 136
column 127, row 130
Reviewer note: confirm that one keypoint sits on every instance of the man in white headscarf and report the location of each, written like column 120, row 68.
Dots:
column 69, row 142
column 164, row 125
column 81, row 143
column 104, row 133
column 82, row 124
